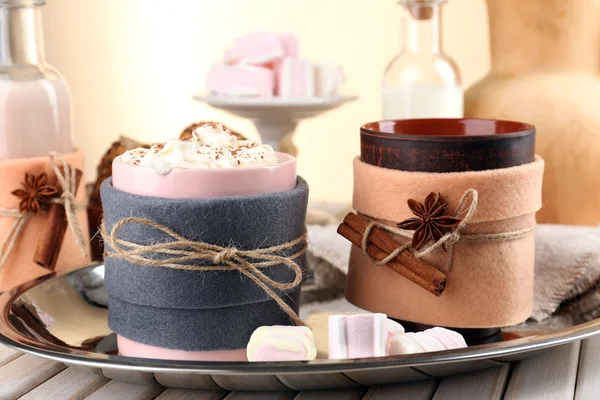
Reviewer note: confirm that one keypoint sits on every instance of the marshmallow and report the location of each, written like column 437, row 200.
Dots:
column 435, row 339
column 241, row 80
column 329, row 78
column 289, row 43
column 450, row 339
column 295, row 78
column 427, row 342
column 394, row 328
column 230, row 56
column 259, row 48
column 281, row 343
column 357, row 336
column 403, row 344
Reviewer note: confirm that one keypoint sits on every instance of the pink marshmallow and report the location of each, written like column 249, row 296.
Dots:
column 450, row 339
column 259, row 48
column 241, row 80
column 394, row 328
column 295, row 78
column 289, row 43
column 230, row 56
column 357, row 336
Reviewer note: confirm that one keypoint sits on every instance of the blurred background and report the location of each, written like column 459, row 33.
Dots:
column 133, row 66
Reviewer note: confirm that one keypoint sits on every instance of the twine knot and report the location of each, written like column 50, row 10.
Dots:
column 183, row 254
column 225, row 255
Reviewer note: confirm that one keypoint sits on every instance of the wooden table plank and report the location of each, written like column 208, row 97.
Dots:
column 186, row 381
column 7, row 355
column 70, row 384
column 249, row 382
column 317, row 381
column 25, row 373
column 261, row 396
column 421, row 390
column 387, row 376
column 114, row 390
column 488, row 384
column 183, row 394
column 549, row 375
column 341, row 394
column 588, row 377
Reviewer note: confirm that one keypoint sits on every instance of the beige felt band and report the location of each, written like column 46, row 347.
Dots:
column 20, row 266
column 489, row 284
column 509, row 192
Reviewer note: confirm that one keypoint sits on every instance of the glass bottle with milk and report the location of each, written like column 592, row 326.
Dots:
column 35, row 104
column 422, row 81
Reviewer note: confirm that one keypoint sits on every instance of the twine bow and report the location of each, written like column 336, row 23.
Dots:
column 466, row 209
column 181, row 253
column 67, row 199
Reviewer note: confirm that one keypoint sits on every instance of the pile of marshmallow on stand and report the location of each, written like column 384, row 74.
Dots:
column 350, row 336
column 266, row 64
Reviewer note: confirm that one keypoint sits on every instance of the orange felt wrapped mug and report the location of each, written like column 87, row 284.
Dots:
column 20, row 266
column 490, row 269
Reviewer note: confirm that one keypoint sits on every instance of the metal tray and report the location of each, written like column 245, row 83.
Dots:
column 64, row 318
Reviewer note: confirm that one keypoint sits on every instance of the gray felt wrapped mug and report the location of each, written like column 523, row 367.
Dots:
column 197, row 259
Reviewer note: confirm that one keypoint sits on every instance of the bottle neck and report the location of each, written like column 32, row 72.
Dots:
column 21, row 35
column 422, row 27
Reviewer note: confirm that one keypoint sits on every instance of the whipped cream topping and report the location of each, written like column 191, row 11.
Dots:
column 211, row 146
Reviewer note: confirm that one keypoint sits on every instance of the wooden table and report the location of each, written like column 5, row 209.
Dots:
column 568, row 372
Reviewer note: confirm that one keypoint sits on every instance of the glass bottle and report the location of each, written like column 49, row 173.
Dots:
column 422, row 81
column 35, row 104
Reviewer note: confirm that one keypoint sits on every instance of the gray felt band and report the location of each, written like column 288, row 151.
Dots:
column 153, row 294
column 196, row 330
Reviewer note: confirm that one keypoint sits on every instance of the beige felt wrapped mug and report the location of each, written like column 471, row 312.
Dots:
column 489, row 176
column 20, row 232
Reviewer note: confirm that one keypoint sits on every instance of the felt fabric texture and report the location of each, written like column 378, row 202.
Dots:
column 208, row 329
column 508, row 192
column 489, row 284
column 567, row 268
column 151, row 294
column 20, row 266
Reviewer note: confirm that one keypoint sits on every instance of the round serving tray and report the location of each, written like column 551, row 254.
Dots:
column 64, row 318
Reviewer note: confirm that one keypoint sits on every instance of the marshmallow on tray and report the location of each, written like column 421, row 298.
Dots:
column 329, row 78
column 289, row 43
column 241, row 80
column 435, row 339
column 281, row 343
column 394, row 328
column 295, row 78
column 261, row 63
column 259, row 48
column 357, row 336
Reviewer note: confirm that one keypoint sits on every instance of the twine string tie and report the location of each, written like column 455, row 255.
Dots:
column 466, row 209
column 184, row 254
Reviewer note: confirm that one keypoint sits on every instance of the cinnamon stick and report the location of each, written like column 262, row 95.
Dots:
column 386, row 243
column 378, row 254
column 53, row 232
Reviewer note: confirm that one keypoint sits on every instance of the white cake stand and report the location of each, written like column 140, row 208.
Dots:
column 275, row 117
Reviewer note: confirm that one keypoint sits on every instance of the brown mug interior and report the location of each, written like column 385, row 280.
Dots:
column 431, row 129
column 447, row 145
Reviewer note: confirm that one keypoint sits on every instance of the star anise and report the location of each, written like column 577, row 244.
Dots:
column 430, row 222
column 36, row 193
